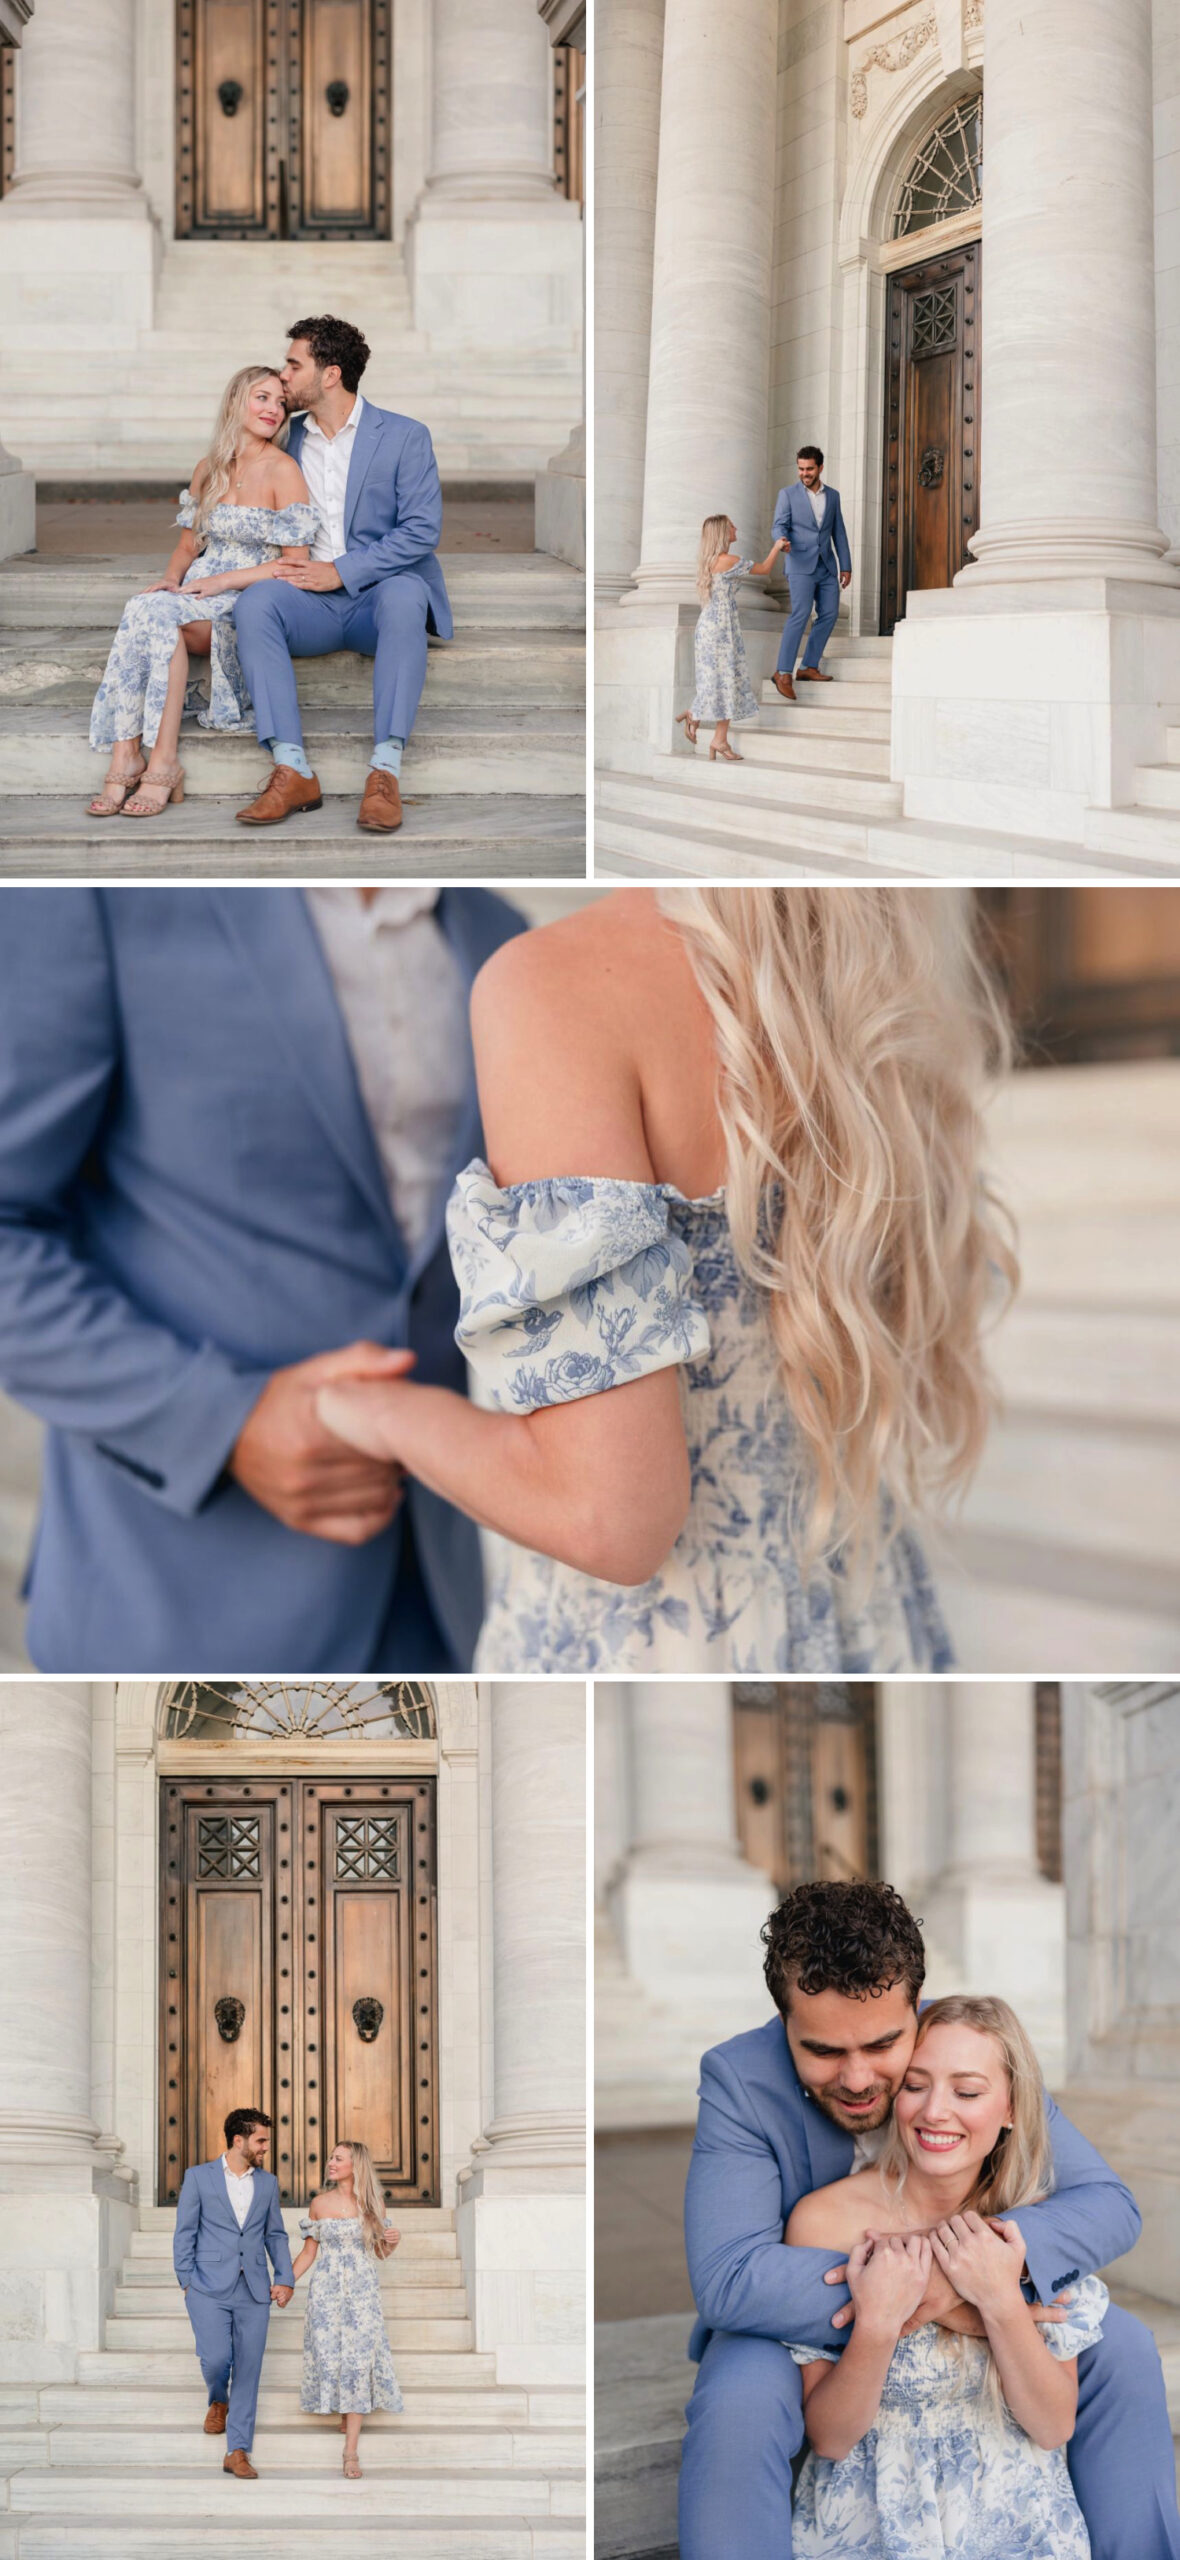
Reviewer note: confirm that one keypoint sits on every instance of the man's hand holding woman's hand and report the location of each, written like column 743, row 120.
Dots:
column 943, row 2302
column 888, row 2273
column 983, row 2260
column 292, row 1463
column 281, row 2293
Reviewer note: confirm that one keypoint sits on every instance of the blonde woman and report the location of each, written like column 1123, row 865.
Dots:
column 346, row 2360
column 246, row 508
column 723, row 1280
column 723, row 688
column 927, row 2441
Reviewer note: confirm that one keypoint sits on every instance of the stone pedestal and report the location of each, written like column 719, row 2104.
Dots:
column 560, row 503
column 990, row 1911
column 521, row 2217
column 78, row 248
column 64, row 2216
column 18, row 507
column 686, row 1906
column 493, row 253
column 1031, row 690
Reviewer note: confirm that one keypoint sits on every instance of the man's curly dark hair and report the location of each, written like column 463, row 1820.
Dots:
column 858, row 1939
column 335, row 342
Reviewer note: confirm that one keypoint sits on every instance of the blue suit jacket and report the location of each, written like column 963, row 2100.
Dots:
column 392, row 508
column 812, row 545
column 761, row 2144
column 190, row 1197
column 210, row 2252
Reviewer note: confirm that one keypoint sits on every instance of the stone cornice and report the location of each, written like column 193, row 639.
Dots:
column 14, row 18
column 565, row 20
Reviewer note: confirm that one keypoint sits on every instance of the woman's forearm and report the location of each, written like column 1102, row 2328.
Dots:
column 842, row 2405
column 182, row 558
column 1041, row 2391
column 304, row 2258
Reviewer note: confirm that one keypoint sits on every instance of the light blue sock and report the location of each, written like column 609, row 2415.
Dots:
column 387, row 758
column 284, row 753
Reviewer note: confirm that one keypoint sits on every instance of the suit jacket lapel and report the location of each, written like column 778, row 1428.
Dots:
column 273, row 932
column 364, row 447
column 455, row 924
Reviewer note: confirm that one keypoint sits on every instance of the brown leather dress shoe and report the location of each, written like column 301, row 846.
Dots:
column 783, row 685
column 286, row 793
column 240, row 2465
column 381, row 807
column 811, row 675
column 215, row 2417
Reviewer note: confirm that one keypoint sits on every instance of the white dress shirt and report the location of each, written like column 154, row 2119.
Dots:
column 818, row 497
column 405, row 1010
column 324, row 462
column 239, row 2190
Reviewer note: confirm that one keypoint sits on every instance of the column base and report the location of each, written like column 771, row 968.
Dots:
column 1021, row 707
column 18, row 507
column 521, row 2225
column 65, row 2228
column 76, row 279
column 689, row 1928
column 1003, row 1936
column 496, row 271
column 559, row 524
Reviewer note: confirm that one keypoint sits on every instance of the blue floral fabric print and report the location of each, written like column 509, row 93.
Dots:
column 723, row 687
column 130, row 698
column 346, row 2359
column 946, row 2473
column 573, row 1286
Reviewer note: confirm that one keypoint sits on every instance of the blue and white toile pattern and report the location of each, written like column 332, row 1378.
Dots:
column 347, row 2362
column 130, row 698
column 570, row 1287
column 946, row 2473
column 723, row 687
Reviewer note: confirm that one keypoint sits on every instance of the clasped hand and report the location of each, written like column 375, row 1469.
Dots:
column 888, row 2273
column 306, row 1474
column 281, row 2293
column 951, row 2296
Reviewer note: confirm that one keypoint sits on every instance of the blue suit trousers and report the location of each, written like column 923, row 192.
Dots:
column 230, row 2331
column 810, row 588
column 276, row 623
column 745, row 2426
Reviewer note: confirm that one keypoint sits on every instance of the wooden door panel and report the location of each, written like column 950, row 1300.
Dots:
column 336, row 128
column 370, row 1850
column 931, row 429
column 227, row 114
column 230, row 2062
column 369, row 2079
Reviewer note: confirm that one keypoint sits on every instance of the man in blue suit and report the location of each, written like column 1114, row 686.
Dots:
column 229, row 1122
column 373, row 582
column 228, row 2224
column 809, row 519
column 800, row 2102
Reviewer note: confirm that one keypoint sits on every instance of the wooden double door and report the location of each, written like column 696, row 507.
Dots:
column 298, row 1974
column 283, row 119
column 806, row 1777
column 931, row 425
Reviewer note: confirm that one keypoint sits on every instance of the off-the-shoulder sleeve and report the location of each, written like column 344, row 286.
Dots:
column 1082, row 2327
column 297, row 523
column 186, row 510
column 310, row 2229
column 568, row 1287
column 813, row 2355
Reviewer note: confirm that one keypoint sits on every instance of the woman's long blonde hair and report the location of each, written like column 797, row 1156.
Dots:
column 714, row 540
column 370, row 2200
column 858, row 1038
column 1020, row 2168
column 223, row 451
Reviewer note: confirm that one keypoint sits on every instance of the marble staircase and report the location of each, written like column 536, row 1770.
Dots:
column 815, row 795
column 114, row 2466
column 226, row 304
column 493, row 779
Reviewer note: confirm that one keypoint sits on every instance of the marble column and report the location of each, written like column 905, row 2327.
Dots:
column 687, row 1907
column 994, row 1918
column 490, row 116
column 1068, row 365
column 708, row 393
column 629, row 53
column 77, row 242
column 521, row 2214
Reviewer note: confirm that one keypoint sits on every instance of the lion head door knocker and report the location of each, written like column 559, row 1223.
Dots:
column 230, row 94
column 229, row 2014
column 931, row 467
column 367, row 2016
column 336, row 94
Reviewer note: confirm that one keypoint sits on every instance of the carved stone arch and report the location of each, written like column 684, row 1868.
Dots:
column 917, row 100
column 306, row 1710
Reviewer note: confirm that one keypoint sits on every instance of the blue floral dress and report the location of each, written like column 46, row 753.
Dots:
column 346, row 2358
column 723, row 687
column 945, row 2473
column 571, row 1287
column 130, row 698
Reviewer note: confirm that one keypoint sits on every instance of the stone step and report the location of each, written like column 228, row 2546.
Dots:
column 771, row 826
column 154, row 2248
column 497, row 665
column 116, row 2496
column 437, row 2273
column 347, row 2532
column 1134, row 837
column 410, row 2217
column 44, row 749
column 654, row 848
column 312, row 2444
column 1157, row 786
column 831, row 700
column 847, row 667
column 524, row 589
column 836, row 792
column 786, row 749
column 450, row 835
column 418, row 2298
column 145, row 2402
column 451, row 2367
column 150, row 2334
column 867, row 644
column 643, row 817
column 823, row 716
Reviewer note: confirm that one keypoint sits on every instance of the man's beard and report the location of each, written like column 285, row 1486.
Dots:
column 828, row 2102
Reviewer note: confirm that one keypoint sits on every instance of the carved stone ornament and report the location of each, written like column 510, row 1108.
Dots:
column 367, row 2016
column 229, row 2013
column 891, row 57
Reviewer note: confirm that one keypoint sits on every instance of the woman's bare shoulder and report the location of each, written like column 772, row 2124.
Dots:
column 325, row 2206
column 833, row 2217
column 288, row 482
column 200, row 475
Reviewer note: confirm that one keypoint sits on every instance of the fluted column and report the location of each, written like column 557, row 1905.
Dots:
column 76, row 123
column 538, row 1787
column 687, row 1906
column 1068, row 330
column 45, row 1921
column 997, row 1924
column 491, row 128
column 493, row 252
column 629, row 42
column 993, row 1779
column 707, row 409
